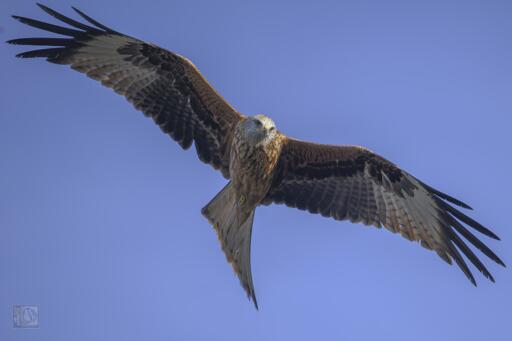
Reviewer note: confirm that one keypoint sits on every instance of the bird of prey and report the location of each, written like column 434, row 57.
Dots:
column 263, row 165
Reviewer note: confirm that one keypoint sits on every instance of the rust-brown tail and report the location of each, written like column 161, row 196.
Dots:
column 234, row 227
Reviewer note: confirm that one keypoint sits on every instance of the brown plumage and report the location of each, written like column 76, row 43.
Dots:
column 263, row 165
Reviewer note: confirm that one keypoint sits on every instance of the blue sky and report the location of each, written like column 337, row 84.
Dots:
column 100, row 212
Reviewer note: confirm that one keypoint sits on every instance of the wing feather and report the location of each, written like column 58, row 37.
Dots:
column 353, row 183
column 163, row 85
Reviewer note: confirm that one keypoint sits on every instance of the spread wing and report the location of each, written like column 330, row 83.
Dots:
column 163, row 85
column 348, row 182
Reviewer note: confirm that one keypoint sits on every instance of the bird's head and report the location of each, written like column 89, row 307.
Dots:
column 260, row 129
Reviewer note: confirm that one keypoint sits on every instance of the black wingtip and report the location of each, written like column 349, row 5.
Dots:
column 500, row 262
column 492, row 235
column 445, row 196
column 457, row 202
column 489, row 233
column 468, row 273
column 94, row 22
column 45, row 8
column 48, row 27
column 467, row 220
column 23, row 54
column 464, row 205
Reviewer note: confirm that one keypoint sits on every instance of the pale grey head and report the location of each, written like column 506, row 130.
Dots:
column 259, row 129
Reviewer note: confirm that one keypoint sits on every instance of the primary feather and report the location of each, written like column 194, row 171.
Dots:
column 160, row 83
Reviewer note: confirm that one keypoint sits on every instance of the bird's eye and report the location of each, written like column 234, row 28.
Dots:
column 258, row 123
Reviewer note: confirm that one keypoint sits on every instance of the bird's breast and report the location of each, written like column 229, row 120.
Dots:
column 252, row 168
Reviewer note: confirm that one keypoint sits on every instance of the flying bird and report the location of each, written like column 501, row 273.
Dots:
column 263, row 165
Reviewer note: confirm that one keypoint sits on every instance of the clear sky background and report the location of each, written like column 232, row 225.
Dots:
column 100, row 212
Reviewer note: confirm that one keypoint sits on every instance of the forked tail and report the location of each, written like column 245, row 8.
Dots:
column 234, row 227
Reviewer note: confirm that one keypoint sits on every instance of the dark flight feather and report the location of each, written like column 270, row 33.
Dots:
column 48, row 27
column 162, row 84
column 67, row 20
column 354, row 183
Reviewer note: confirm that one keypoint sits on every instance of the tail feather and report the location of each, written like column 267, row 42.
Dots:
column 234, row 228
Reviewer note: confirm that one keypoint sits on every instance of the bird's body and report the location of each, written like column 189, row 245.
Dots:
column 263, row 165
column 254, row 154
